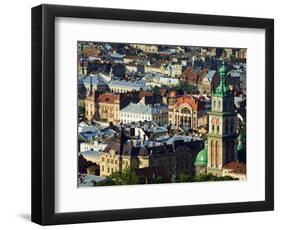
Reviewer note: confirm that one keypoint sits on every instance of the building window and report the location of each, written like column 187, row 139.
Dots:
column 217, row 155
column 218, row 128
column 219, row 105
column 212, row 153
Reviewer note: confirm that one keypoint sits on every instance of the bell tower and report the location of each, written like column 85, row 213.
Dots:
column 222, row 127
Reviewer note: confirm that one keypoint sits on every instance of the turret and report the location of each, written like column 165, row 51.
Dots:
column 222, row 89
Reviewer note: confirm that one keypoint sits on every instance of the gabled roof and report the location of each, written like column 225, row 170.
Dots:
column 144, row 109
column 94, row 79
column 131, row 84
column 112, row 145
column 107, row 98
column 210, row 74
column 195, row 103
column 90, row 153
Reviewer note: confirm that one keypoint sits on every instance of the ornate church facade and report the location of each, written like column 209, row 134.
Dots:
column 222, row 136
column 221, row 143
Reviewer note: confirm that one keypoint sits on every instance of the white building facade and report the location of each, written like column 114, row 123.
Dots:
column 138, row 112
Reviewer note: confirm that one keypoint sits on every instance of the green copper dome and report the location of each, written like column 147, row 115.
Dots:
column 240, row 145
column 202, row 158
column 222, row 89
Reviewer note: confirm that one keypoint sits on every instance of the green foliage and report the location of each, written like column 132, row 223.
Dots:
column 125, row 177
column 129, row 177
column 105, row 183
column 211, row 177
column 159, row 180
column 156, row 90
column 188, row 88
column 184, row 177
column 81, row 111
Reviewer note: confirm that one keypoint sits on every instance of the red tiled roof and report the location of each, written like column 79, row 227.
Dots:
column 107, row 98
column 236, row 167
column 144, row 93
column 195, row 103
column 190, row 76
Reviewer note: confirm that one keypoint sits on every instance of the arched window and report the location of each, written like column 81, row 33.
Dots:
column 212, row 154
column 217, row 154
column 219, row 105
column 214, row 105
column 213, row 122
column 218, row 125
column 223, row 152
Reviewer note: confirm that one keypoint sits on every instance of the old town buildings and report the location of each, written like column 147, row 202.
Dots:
column 139, row 112
column 163, row 112
column 188, row 110
column 174, row 156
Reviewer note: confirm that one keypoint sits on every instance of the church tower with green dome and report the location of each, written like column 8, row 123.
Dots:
column 222, row 127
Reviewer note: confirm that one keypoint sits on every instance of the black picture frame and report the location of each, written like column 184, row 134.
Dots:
column 43, row 114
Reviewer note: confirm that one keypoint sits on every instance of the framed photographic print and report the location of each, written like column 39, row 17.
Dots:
column 142, row 114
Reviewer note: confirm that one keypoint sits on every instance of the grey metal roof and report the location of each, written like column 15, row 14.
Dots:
column 95, row 80
column 210, row 74
column 234, row 73
column 130, row 84
column 90, row 153
column 144, row 109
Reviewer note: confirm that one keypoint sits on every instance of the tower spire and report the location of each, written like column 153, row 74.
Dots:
column 222, row 89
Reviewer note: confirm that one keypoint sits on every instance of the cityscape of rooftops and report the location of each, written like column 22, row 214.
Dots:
column 153, row 114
